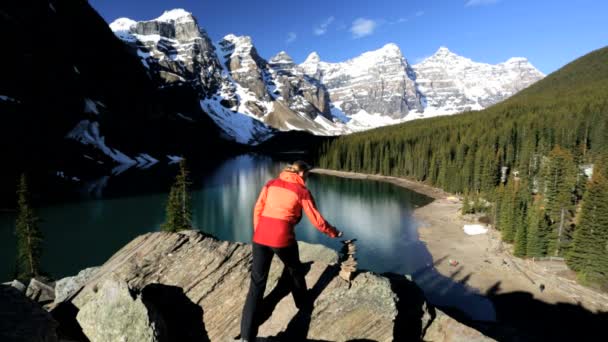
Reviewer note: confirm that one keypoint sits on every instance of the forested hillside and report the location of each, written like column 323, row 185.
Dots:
column 534, row 163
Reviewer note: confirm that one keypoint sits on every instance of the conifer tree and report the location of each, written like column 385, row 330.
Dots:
column 559, row 182
column 589, row 254
column 179, row 206
column 506, row 222
column 536, row 232
column 29, row 237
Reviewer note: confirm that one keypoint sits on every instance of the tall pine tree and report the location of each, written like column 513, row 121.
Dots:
column 29, row 237
column 536, row 241
column 559, row 176
column 589, row 254
column 179, row 204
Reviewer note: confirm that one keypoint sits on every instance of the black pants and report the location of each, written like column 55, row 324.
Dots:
column 262, row 257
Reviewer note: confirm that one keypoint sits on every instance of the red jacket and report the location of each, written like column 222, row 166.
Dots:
column 279, row 208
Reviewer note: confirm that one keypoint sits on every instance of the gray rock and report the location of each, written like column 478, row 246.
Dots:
column 314, row 252
column 215, row 276
column 445, row 328
column 112, row 314
column 40, row 291
column 211, row 279
column 16, row 284
column 66, row 287
column 22, row 319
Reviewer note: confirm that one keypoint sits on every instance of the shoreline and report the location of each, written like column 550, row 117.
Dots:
column 484, row 261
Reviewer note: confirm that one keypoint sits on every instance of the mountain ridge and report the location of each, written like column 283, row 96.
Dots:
column 377, row 88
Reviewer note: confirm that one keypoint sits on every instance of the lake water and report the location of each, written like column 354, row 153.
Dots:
column 379, row 215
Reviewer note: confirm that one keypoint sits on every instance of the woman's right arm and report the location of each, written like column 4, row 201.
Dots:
column 315, row 217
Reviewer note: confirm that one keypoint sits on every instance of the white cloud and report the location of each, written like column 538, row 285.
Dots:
column 471, row 3
column 291, row 37
column 362, row 27
column 419, row 13
column 322, row 28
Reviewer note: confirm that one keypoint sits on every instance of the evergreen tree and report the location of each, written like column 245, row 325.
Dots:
column 559, row 177
column 536, row 232
column 589, row 254
column 29, row 237
column 507, row 218
column 179, row 204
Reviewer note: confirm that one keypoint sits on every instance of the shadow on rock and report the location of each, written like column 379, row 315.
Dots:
column 183, row 319
column 297, row 329
column 414, row 314
column 69, row 329
column 281, row 290
column 521, row 317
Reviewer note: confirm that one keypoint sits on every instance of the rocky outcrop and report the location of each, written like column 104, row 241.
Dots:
column 40, row 292
column 22, row 319
column 112, row 314
column 215, row 276
column 17, row 285
column 174, row 49
column 66, row 287
column 158, row 275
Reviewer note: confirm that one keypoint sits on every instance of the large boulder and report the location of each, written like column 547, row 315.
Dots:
column 66, row 287
column 214, row 275
column 113, row 314
column 40, row 292
column 16, row 284
column 22, row 319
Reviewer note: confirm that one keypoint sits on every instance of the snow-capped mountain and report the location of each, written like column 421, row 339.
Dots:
column 251, row 98
column 451, row 83
column 247, row 97
column 379, row 81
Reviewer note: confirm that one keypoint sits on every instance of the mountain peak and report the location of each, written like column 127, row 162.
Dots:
column 391, row 47
column 517, row 60
column 313, row 57
column 443, row 51
column 122, row 24
column 176, row 15
column 281, row 57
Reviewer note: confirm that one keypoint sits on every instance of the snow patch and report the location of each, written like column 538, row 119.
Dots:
column 90, row 106
column 474, row 229
column 241, row 127
column 174, row 159
column 87, row 132
column 145, row 161
column 178, row 15
column 8, row 99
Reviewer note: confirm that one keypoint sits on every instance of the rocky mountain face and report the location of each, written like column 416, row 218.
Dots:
column 378, row 81
column 240, row 90
column 451, row 83
column 248, row 97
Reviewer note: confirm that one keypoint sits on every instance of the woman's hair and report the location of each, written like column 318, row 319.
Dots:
column 298, row 166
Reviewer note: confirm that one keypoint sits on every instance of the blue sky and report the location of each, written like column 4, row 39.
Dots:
column 548, row 33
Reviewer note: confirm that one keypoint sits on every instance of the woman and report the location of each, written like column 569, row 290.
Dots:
column 277, row 210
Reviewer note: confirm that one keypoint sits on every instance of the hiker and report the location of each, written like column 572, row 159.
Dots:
column 277, row 210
